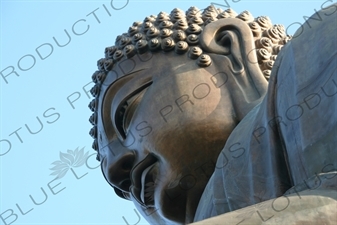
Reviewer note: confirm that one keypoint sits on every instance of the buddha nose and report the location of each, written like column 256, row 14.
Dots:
column 119, row 171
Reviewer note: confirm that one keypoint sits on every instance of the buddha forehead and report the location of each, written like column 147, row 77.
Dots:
column 154, row 63
column 176, row 37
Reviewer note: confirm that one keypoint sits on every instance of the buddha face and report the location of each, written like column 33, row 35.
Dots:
column 161, row 118
column 166, row 122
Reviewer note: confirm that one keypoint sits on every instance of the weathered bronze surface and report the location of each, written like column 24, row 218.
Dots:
column 187, row 126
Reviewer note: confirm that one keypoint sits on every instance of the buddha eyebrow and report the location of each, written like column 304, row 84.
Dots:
column 124, row 76
column 133, row 72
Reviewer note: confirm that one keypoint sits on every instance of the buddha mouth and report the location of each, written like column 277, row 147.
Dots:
column 148, row 186
column 143, row 176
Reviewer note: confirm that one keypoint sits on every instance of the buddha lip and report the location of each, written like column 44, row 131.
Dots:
column 139, row 174
column 147, row 181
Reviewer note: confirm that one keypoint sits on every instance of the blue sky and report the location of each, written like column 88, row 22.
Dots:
column 50, row 88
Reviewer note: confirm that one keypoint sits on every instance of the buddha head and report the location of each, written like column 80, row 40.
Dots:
column 167, row 96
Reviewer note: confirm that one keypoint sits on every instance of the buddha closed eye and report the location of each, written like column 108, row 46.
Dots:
column 126, row 109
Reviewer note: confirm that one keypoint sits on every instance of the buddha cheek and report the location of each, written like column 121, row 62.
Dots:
column 143, row 129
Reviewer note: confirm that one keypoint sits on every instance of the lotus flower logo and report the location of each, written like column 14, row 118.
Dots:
column 67, row 161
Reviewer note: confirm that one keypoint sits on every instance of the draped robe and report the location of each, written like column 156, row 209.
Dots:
column 291, row 136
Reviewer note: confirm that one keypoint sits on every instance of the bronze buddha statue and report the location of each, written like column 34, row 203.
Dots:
column 187, row 126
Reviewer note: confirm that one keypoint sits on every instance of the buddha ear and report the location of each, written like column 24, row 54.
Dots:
column 230, row 36
column 233, row 39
